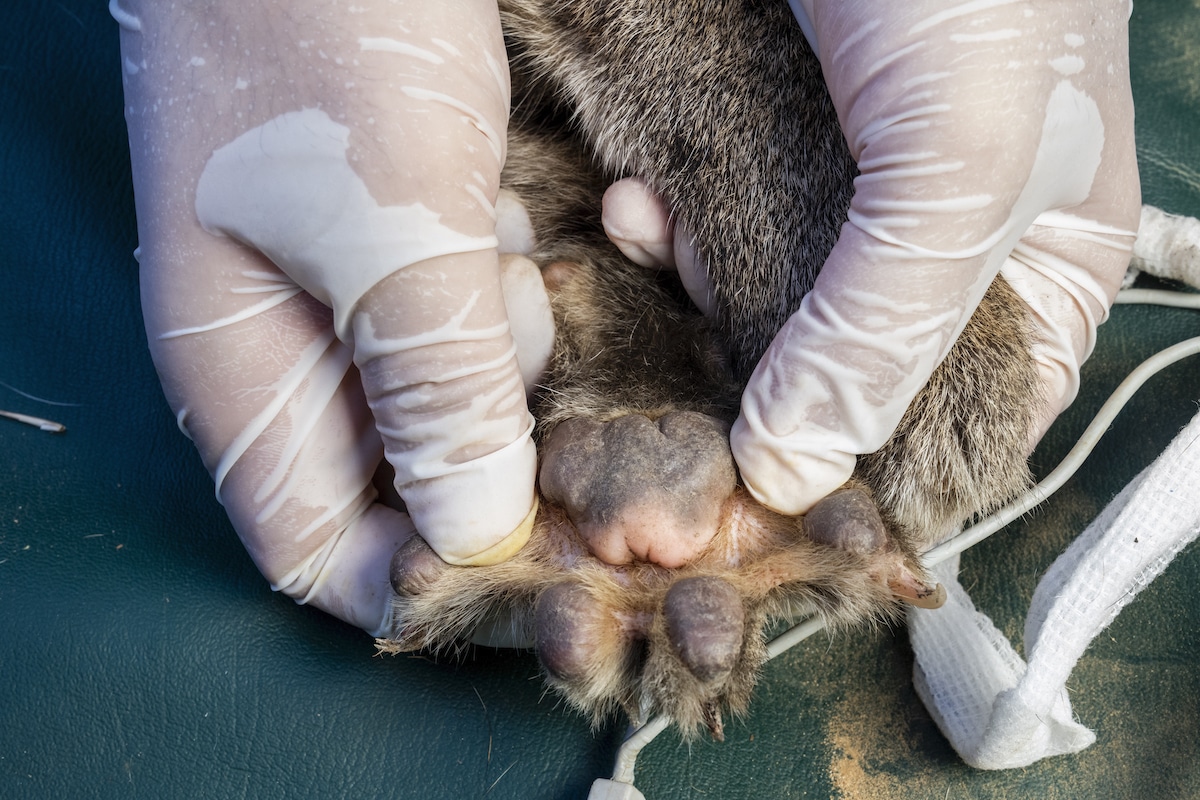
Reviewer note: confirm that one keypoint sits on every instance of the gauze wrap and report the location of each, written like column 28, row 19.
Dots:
column 317, row 206
column 999, row 711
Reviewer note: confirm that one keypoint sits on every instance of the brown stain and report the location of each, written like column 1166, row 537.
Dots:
column 874, row 753
column 848, row 774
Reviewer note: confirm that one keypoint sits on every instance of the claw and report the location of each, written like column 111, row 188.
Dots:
column 849, row 520
column 918, row 593
column 714, row 723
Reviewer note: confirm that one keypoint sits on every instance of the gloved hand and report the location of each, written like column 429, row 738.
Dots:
column 991, row 138
column 316, row 191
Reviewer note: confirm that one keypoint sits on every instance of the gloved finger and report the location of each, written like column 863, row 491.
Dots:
column 276, row 409
column 958, row 160
column 514, row 229
column 248, row 360
column 1068, row 271
column 642, row 226
column 386, row 213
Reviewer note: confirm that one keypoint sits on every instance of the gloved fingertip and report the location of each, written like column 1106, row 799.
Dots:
column 504, row 549
column 780, row 472
column 483, row 506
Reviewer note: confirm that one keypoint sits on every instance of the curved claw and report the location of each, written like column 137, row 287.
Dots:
column 849, row 520
column 714, row 723
column 918, row 593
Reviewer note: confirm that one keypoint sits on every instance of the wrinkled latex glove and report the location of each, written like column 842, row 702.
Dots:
column 316, row 190
column 991, row 137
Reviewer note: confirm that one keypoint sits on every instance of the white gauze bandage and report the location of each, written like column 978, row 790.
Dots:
column 1000, row 712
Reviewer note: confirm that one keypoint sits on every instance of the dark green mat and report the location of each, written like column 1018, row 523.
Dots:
column 141, row 655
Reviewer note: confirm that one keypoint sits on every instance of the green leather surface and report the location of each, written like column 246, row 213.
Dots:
column 141, row 655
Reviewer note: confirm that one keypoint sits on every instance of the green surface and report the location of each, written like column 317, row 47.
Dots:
column 141, row 655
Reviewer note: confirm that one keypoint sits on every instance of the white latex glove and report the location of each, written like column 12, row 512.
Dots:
column 316, row 190
column 991, row 137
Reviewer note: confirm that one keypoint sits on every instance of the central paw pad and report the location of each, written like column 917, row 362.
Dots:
column 641, row 489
